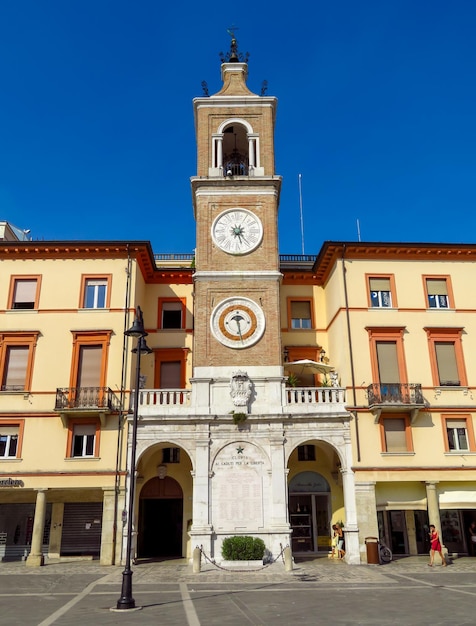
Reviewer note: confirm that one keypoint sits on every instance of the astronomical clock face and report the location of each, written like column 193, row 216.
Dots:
column 237, row 322
column 237, row 231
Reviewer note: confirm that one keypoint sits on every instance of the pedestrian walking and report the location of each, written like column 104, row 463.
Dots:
column 435, row 546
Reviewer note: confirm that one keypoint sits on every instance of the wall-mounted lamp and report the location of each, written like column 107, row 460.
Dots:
column 323, row 355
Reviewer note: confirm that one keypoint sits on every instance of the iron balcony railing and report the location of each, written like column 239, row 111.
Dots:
column 86, row 398
column 394, row 393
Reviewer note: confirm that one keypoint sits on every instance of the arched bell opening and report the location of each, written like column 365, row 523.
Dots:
column 235, row 151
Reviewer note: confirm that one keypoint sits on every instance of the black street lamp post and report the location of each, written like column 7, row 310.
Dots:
column 126, row 601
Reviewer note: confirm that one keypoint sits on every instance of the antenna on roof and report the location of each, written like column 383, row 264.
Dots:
column 358, row 229
column 300, row 212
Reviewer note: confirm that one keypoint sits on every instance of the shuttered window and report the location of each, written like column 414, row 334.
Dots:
column 387, row 362
column 16, row 365
column 380, row 292
column 395, row 434
column 84, row 440
column 301, row 314
column 89, row 370
column 8, row 441
column 446, row 363
column 457, row 433
column 95, row 293
column 170, row 375
column 24, row 294
column 437, row 290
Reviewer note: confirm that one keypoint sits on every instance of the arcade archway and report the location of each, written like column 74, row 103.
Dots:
column 160, row 519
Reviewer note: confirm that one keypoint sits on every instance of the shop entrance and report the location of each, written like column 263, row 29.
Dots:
column 160, row 519
column 309, row 513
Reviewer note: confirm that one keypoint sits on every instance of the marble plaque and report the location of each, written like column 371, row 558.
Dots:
column 237, row 488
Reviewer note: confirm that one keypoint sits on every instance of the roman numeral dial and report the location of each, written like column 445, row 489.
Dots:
column 237, row 231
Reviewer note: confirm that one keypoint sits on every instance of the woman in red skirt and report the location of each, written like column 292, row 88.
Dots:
column 435, row 546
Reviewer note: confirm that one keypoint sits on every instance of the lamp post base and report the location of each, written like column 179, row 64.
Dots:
column 126, row 602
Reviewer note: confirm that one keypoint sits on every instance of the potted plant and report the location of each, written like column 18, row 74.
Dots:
column 239, row 418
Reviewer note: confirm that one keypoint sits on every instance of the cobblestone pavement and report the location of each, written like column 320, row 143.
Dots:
column 317, row 591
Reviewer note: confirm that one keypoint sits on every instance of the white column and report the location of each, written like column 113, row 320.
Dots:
column 433, row 507
column 251, row 151
column 201, row 530
column 279, row 491
column 219, row 142
column 36, row 558
column 352, row 551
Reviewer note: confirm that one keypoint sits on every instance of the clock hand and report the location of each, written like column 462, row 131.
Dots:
column 237, row 318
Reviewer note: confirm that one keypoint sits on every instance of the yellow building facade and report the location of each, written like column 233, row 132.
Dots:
column 283, row 394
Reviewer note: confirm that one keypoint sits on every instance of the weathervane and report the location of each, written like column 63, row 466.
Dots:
column 233, row 56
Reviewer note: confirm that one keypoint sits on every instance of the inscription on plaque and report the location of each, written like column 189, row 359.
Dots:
column 237, row 488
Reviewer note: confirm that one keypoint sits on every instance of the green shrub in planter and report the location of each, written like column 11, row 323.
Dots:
column 243, row 548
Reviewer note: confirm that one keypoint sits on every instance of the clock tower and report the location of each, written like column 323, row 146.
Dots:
column 235, row 199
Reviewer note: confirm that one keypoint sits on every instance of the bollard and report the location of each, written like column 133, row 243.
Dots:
column 197, row 558
column 288, row 559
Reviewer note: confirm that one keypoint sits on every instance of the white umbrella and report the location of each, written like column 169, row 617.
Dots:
column 307, row 366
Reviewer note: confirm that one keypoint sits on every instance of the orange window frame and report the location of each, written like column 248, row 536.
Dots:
column 161, row 302
column 393, row 290
column 81, row 422
column 170, row 354
column 80, row 339
column 445, row 418
column 446, row 335
column 11, row 291
column 18, row 339
column 20, row 424
column 289, row 301
column 449, row 288
column 389, row 334
column 408, row 431
column 85, row 278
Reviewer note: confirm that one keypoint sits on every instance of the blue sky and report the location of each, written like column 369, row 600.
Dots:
column 376, row 111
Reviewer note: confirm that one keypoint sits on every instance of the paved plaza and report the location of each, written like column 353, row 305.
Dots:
column 318, row 591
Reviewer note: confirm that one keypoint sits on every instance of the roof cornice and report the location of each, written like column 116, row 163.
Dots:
column 331, row 251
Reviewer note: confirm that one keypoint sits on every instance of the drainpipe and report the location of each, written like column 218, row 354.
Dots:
column 122, row 411
column 351, row 354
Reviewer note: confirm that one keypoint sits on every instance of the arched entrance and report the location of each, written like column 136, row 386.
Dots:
column 160, row 519
column 309, row 513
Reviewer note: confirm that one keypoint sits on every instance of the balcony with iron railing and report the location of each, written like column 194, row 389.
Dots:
column 392, row 397
column 86, row 401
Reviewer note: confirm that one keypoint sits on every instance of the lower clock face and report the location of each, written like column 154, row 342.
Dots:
column 237, row 322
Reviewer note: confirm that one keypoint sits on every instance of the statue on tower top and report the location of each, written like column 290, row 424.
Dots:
column 234, row 56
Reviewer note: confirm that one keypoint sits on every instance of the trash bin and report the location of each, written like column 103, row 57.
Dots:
column 371, row 543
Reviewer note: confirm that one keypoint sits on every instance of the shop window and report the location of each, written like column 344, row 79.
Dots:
column 437, row 293
column 83, row 439
column 446, row 357
column 24, row 291
column 381, row 292
column 396, row 434
column 171, row 313
column 300, row 313
column 95, row 292
column 306, row 453
column 459, row 434
column 171, row 455
column 16, row 360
